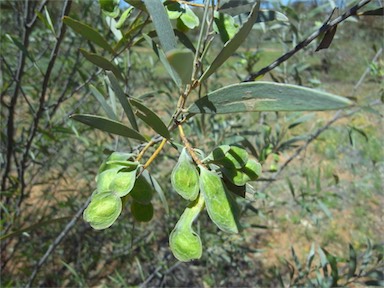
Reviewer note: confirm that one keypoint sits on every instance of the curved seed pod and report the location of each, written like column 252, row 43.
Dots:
column 185, row 178
column 184, row 242
column 142, row 212
column 105, row 178
column 123, row 181
column 228, row 156
column 103, row 210
column 221, row 207
column 250, row 172
column 110, row 162
column 236, row 157
column 142, row 192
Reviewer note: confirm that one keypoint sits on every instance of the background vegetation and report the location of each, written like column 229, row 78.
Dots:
column 315, row 215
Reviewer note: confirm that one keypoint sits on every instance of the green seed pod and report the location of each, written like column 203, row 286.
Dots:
column 236, row 157
column 184, row 242
column 123, row 181
column 105, row 178
column 221, row 207
column 233, row 157
column 142, row 212
column 142, row 192
column 185, row 178
column 103, row 210
column 118, row 180
column 250, row 172
column 114, row 161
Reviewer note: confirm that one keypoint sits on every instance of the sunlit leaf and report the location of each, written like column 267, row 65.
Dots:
column 231, row 46
column 108, row 125
column 189, row 18
column 123, row 17
column 352, row 262
column 88, row 33
column 162, row 24
column 149, row 117
column 266, row 96
column 225, row 26
column 174, row 10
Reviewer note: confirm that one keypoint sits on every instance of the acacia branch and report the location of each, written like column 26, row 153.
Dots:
column 328, row 25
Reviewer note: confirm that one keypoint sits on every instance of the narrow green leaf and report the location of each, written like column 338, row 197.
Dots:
column 263, row 16
column 19, row 45
column 271, row 15
column 323, row 261
column 108, row 125
column 296, row 259
column 162, row 24
column 100, row 98
column 163, row 59
column 124, row 17
column 231, row 46
column 310, row 257
column 149, row 117
column 334, row 270
column 49, row 21
column 352, row 262
column 88, row 33
column 123, row 100
column 266, row 96
column 101, row 62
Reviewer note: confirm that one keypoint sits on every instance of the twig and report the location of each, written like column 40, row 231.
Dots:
column 367, row 71
column 155, row 154
column 323, row 29
column 56, row 242
column 189, row 148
